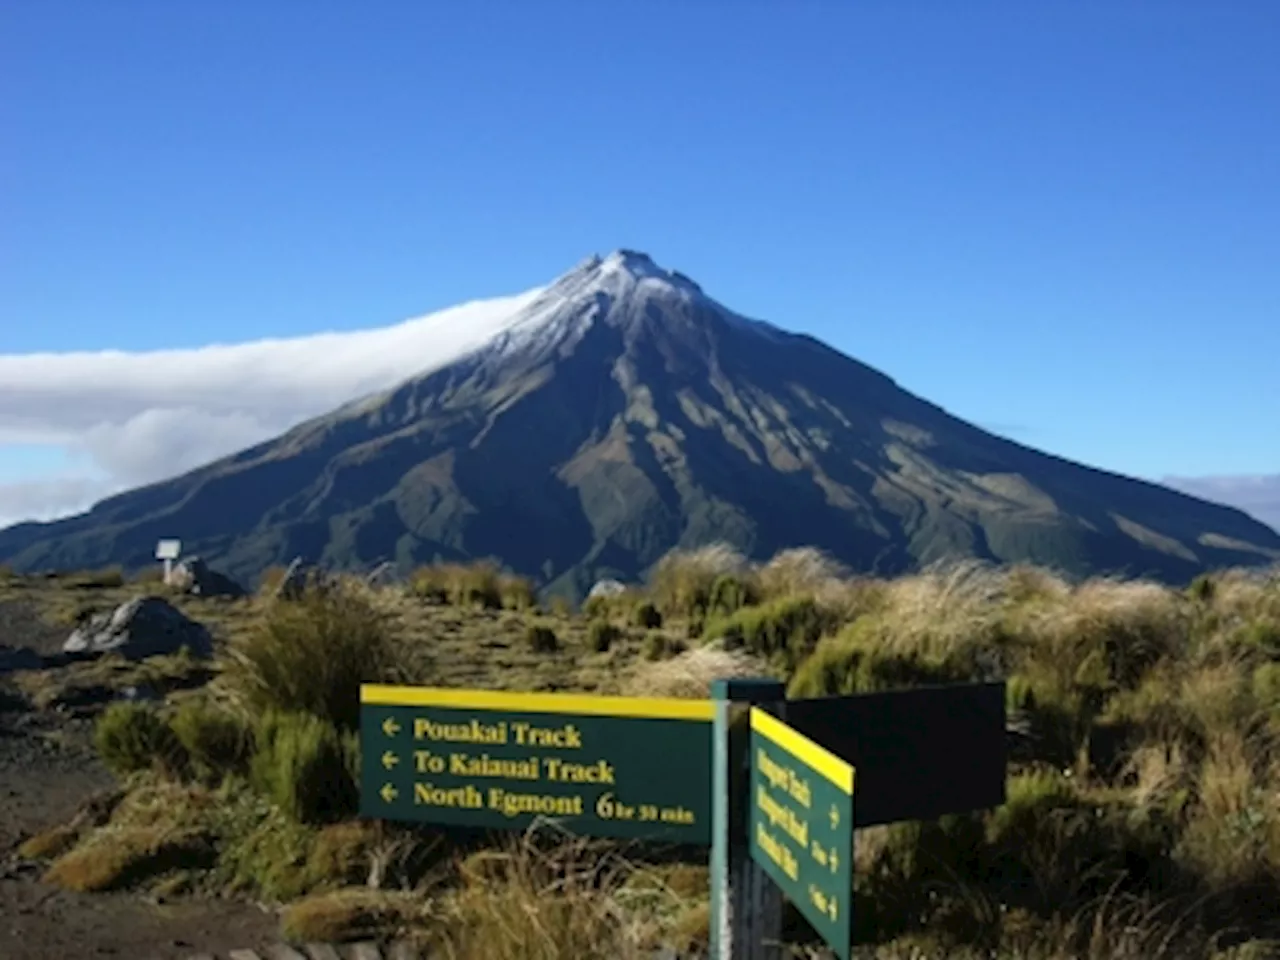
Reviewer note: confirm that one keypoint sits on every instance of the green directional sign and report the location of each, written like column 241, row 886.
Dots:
column 625, row 767
column 800, row 825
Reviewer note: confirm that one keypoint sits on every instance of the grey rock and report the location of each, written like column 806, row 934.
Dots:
column 143, row 627
column 197, row 578
column 607, row 588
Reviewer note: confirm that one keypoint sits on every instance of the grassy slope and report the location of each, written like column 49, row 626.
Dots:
column 1145, row 807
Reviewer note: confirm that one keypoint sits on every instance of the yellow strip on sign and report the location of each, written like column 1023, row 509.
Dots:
column 652, row 708
column 814, row 756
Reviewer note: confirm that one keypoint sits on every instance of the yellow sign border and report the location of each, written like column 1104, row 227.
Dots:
column 651, row 708
column 815, row 756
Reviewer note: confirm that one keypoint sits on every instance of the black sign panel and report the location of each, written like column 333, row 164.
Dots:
column 919, row 753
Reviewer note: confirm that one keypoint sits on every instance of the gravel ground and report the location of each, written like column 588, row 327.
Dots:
column 47, row 770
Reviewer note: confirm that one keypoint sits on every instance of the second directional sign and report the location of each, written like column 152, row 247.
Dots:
column 601, row 766
column 800, row 825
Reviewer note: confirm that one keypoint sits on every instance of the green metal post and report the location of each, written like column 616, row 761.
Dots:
column 746, row 906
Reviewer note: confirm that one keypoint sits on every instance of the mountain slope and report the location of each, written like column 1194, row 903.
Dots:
column 622, row 412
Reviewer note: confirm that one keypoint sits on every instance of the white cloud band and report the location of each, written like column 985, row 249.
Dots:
column 134, row 418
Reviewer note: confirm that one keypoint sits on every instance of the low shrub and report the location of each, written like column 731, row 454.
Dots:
column 1052, row 848
column 218, row 742
column 786, row 630
column 517, row 593
column 1266, row 687
column 131, row 736
column 662, row 646
column 646, row 615
column 306, row 767
column 1203, row 588
column 478, row 585
column 602, row 635
column 541, row 638
column 729, row 593
column 843, row 665
column 269, row 855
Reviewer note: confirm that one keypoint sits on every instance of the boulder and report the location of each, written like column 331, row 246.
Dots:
column 607, row 588
column 197, row 578
column 142, row 627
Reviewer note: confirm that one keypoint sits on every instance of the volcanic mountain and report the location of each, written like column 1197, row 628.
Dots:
column 621, row 412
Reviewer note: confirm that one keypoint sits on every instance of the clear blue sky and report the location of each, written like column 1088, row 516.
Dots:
column 1060, row 220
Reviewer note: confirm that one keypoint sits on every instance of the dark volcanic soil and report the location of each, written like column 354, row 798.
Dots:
column 47, row 770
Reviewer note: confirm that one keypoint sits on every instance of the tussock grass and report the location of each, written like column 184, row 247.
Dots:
column 1144, row 798
column 689, row 675
column 351, row 914
column 528, row 901
column 482, row 584
column 90, row 683
column 113, row 861
column 312, row 655
column 681, row 582
column 800, row 570
column 155, row 828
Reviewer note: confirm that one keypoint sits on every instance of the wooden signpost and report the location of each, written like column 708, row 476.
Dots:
column 776, row 787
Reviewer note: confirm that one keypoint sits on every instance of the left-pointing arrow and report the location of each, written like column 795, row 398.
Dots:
column 389, row 793
column 390, row 727
column 389, row 760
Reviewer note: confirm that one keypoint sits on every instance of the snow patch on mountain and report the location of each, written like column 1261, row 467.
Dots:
column 621, row 288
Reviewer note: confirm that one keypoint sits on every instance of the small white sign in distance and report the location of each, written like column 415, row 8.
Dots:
column 168, row 549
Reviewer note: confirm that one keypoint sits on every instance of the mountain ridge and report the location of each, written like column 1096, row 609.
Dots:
column 620, row 412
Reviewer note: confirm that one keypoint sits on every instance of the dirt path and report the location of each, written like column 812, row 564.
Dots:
column 47, row 770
